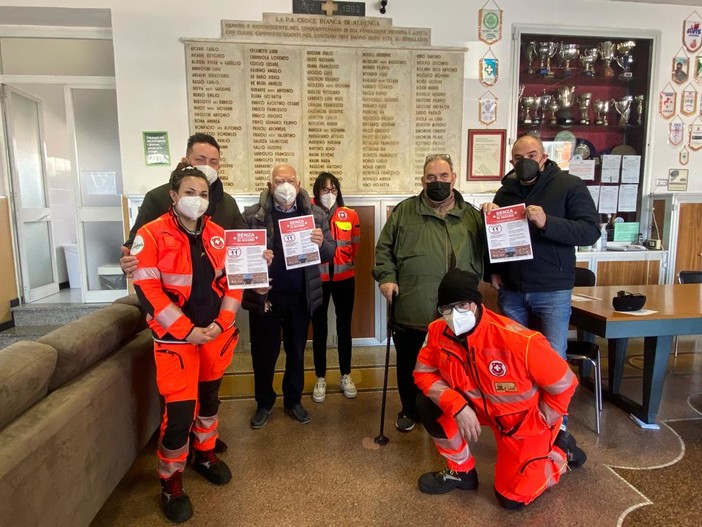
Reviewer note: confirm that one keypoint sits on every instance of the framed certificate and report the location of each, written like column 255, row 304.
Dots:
column 486, row 155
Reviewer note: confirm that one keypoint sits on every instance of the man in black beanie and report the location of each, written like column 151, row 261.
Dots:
column 480, row 368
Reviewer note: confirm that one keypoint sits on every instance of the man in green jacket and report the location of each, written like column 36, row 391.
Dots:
column 424, row 237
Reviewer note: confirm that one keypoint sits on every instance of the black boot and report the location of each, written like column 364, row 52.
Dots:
column 175, row 502
column 447, row 480
column 575, row 455
column 209, row 465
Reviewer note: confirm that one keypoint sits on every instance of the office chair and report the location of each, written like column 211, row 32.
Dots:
column 687, row 277
column 587, row 352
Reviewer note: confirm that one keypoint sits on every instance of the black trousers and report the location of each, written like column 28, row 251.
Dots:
column 407, row 342
column 343, row 294
column 289, row 313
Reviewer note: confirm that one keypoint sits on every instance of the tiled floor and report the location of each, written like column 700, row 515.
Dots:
column 330, row 471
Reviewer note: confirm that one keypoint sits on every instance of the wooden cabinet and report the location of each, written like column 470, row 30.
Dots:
column 588, row 99
column 625, row 268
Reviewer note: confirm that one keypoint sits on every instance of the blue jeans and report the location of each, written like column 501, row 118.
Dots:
column 545, row 311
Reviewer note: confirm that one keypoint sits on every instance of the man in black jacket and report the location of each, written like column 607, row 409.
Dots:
column 562, row 215
column 202, row 153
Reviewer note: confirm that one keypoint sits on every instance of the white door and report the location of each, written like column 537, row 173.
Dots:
column 91, row 112
column 27, row 155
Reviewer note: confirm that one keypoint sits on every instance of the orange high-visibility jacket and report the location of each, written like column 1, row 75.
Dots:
column 346, row 230
column 504, row 372
column 164, row 275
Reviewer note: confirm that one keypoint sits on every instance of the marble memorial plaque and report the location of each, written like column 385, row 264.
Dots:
column 350, row 95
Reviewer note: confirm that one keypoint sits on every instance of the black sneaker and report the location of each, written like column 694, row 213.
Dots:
column 404, row 423
column 448, row 480
column 575, row 456
column 214, row 469
column 299, row 413
column 175, row 502
column 261, row 417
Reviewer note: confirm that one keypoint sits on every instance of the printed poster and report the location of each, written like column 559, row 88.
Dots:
column 508, row 234
column 245, row 265
column 299, row 250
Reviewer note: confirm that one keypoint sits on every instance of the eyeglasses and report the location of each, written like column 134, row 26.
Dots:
column 442, row 157
column 460, row 307
column 434, row 157
column 328, row 191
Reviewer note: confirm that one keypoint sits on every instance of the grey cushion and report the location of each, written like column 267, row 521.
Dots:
column 25, row 370
column 85, row 341
column 133, row 300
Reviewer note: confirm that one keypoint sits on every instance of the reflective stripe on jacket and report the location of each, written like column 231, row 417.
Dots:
column 163, row 279
column 345, row 228
column 503, row 371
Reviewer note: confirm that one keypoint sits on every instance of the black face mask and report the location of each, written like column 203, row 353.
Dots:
column 438, row 190
column 526, row 169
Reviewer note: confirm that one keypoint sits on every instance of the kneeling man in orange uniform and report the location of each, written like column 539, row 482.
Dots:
column 480, row 368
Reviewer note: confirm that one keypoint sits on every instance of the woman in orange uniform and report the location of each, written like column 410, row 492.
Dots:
column 338, row 282
column 181, row 283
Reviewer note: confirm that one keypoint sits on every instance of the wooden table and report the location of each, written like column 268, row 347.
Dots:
column 679, row 312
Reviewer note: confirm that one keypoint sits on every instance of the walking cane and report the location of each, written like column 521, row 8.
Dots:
column 381, row 438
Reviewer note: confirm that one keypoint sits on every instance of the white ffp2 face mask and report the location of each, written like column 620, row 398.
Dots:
column 327, row 200
column 460, row 323
column 192, row 207
column 210, row 173
column 285, row 194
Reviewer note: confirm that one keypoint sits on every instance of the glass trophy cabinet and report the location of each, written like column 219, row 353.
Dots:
column 585, row 97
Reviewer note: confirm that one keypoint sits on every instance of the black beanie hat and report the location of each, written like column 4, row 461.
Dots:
column 459, row 286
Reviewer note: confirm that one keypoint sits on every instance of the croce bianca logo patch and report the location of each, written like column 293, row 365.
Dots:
column 137, row 246
column 498, row 368
column 217, row 242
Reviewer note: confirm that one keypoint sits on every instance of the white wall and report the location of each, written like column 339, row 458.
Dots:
column 150, row 63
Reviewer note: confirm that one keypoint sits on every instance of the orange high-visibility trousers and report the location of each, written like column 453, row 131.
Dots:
column 527, row 462
column 181, row 370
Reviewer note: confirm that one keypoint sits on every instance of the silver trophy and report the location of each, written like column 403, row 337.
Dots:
column 565, row 101
column 639, row 108
column 623, row 107
column 588, row 57
column 527, row 103
column 553, row 107
column 584, row 103
column 544, row 103
column 566, row 53
column 537, row 107
column 601, row 111
column 607, row 50
column 546, row 51
column 624, row 58
column 530, row 52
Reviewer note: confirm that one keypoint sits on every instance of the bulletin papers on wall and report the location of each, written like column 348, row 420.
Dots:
column 620, row 184
column 508, row 234
column 298, row 248
column 245, row 265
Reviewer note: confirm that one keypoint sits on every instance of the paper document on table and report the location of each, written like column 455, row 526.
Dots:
column 508, row 234
column 639, row 313
column 580, row 297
